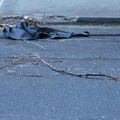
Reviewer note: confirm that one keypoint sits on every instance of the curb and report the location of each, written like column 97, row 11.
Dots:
column 98, row 20
column 85, row 20
column 65, row 20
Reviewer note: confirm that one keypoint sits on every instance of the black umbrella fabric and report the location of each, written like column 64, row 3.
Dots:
column 22, row 31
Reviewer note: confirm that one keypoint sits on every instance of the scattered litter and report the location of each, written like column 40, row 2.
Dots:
column 1, row 25
column 99, row 56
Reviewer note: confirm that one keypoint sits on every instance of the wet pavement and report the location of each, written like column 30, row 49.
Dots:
column 56, row 96
column 80, row 8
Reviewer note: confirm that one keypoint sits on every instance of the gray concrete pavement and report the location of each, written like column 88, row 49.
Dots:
column 55, row 96
column 80, row 8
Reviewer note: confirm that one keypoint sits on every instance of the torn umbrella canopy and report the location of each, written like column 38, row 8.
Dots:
column 22, row 31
